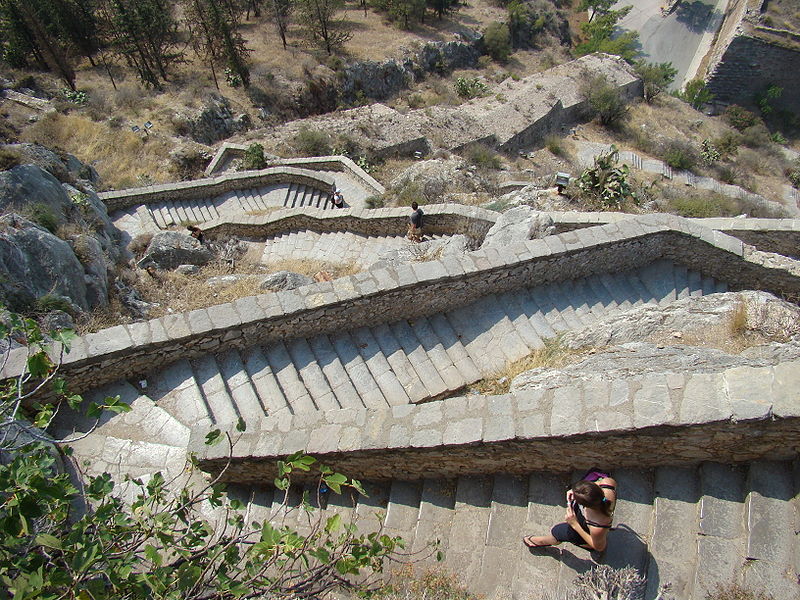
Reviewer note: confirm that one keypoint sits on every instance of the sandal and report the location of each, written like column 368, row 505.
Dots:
column 528, row 541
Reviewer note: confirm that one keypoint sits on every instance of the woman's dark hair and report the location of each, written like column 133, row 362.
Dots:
column 591, row 495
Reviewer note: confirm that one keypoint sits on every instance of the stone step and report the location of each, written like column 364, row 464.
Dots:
column 400, row 365
column 264, row 381
column 510, row 303
column 402, row 510
column 297, row 397
column 552, row 316
column 312, row 376
column 358, row 372
column 535, row 314
column 674, row 533
column 388, row 382
column 628, row 538
column 580, row 305
column 658, row 279
column 451, row 342
column 174, row 388
column 681, row 281
column 772, row 525
column 720, row 545
column 212, row 387
column 601, row 292
column 247, row 403
column 469, row 527
column 593, row 302
column 340, row 381
column 695, row 284
column 619, row 291
column 562, row 304
column 436, row 509
column 643, row 295
column 371, row 509
column 434, row 348
column 415, row 352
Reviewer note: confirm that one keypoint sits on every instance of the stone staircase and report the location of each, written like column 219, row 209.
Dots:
column 169, row 213
column 692, row 527
column 404, row 362
column 342, row 247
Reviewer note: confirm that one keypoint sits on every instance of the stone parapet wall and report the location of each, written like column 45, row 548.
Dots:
column 374, row 296
column 228, row 152
column 736, row 415
column 204, row 188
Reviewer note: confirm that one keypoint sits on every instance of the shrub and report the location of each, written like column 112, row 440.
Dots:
column 656, row 77
column 756, row 136
column 555, row 145
column 604, row 101
column 734, row 591
column 793, row 174
column 483, row 157
column 312, row 142
column 139, row 244
column 703, row 204
column 254, row 158
column 739, row 118
column 679, row 154
column 9, row 159
column 470, row 87
column 51, row 302
column 42, row 215
column 374, row 202
column 497, row 41
column 709, row 153
column 696, row 94
column 728, row 144
column 606, row 183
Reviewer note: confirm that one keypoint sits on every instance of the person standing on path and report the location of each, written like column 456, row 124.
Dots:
column 590, row 510
column 415, row 223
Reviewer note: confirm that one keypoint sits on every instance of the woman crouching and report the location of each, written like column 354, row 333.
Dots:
column 590, row 510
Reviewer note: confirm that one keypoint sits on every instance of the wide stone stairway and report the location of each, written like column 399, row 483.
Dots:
column 406, row 361
column 691, row 527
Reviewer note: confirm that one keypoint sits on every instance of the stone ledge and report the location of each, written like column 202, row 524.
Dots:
column 437, row 286
column 657, row 419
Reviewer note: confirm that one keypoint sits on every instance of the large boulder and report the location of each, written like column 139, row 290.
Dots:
column 638, row 359
column 764, row 314
column 63, row 166
column 35, row 263
column 431, row 250
column 436, row 179
column 518, row 225
column 284, row 280
column 170, row 249
column 30, row 189
column 214, row 122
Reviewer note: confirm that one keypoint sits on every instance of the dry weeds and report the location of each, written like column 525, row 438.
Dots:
column 310, row 268
column 554, row 355
column 434, row 584
column 121, row 157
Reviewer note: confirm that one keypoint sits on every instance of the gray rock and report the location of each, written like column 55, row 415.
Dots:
column 536, row 196
column 438, row 178
column 284, row 280
column 90, row 253
column 766, row 314
column 639, row 359
column 56, row 319
column 170, row 249
column 430, row 250
column 518, row 225
column 223, row 280
column 35, row 263
column 28, row 188
column 187, row 269
column 215, row 121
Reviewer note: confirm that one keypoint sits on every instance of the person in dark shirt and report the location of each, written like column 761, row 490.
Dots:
column 415, row 223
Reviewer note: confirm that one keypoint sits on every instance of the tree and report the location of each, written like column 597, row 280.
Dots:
column 61, row 541
column 497, row 40
column 524, row 23
column 604, row 100
column 656, row 77
column 598, row 36
column 212, row 29
column 442, row 7
column 282, row 14
column 696, row 93
column 597, row 7
column 144, row 34
column 319, row 18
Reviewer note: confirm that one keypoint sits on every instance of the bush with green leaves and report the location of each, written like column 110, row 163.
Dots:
column 655, row 77
column 604, row 100
column 41, row 214
column 739, row 117
column 497, row 41
column 61, row 541
column 695, row 93
column 483, row 157
column 470, row 87
column 709, row 153
column 793, row 174
column 254, row 158
column 679, row 154
column 312, row 142
column 606, row 183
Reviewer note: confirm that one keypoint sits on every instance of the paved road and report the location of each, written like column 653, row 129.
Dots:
column 682, row 38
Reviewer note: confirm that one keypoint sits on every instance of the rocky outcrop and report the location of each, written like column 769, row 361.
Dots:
column 519, row 224
column 638, row 359
column 436, row 179
column 428, row 250
column 35, row 263
column 215, row 121
column 765, row 314
column 64, row 167
column 284, row 280
column 170, row 249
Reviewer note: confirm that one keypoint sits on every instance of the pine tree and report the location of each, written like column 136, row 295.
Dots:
column 319, row 17
column 282, row 14
column 214, row 37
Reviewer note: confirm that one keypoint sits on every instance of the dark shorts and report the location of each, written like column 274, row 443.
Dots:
column 564, row 533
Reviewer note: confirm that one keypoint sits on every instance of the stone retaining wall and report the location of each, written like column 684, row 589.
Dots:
column 228, row 152
column 367, row 298
column 736, row 415
column 204, row 188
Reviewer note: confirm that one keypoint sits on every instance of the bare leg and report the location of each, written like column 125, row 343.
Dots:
column 535, row 541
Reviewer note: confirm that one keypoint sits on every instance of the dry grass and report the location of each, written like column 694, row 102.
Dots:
column 553, row 356
column 175, row 292
column 434, row 584
column 310, row 268
column 120, row 156
column 734, row 591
